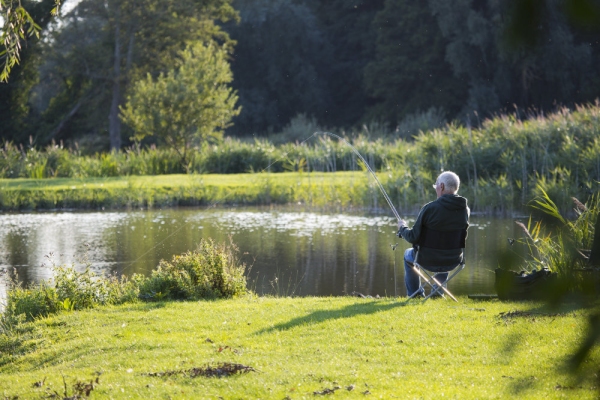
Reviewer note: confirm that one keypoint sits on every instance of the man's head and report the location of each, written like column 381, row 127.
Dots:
column 446, row 183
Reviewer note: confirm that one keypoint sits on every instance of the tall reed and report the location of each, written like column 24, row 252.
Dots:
column 502, row 163
column 563, row 245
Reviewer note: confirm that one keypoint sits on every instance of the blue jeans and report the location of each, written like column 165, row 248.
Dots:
column 412, row 280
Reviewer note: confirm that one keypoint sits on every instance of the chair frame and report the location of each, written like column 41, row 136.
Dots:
column 427, row 276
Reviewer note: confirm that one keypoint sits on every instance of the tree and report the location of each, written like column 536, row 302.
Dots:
column 102, row 47
column 186, row 105
column 501, row 72
column 409, row 73
column 278, row 64
column 15, row 106
column 348, row 28
column 18, row 24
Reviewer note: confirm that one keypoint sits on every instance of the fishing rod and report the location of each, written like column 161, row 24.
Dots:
column 211, row 205
column 215, row 203
column 385, row 195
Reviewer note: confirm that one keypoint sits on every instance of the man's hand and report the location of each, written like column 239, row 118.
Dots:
column 401, row 224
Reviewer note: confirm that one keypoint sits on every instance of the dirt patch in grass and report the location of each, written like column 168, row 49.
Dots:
column 219, row 371
column 510, row 316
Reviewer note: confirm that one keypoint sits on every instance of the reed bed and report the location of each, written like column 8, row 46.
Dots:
column 504, row 163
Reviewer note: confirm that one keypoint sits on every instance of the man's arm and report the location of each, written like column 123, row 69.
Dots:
column 408, row 234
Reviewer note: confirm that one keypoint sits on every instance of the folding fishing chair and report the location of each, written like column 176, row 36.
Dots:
column 438, row 240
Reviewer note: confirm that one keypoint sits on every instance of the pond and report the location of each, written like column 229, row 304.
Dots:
column 288, row 251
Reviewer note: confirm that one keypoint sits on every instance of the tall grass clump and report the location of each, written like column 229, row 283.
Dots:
column 562, row 245
column 68, row 290
column 30, row 302
column 212, row 271
column 234, row 156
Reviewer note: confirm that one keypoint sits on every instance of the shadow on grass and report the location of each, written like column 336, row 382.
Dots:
column 350, row 311
column 143, row 306
column 532, row 312
column 22, row 340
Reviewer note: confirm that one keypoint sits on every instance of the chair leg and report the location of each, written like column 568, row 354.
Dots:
column 443, row 280
column 419, row 291
column 436, row 290
column 436, row 282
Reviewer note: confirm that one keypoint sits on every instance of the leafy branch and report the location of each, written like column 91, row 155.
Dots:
column 18, row 25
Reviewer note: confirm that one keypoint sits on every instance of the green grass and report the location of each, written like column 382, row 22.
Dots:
column 341, row 189
column 503, row 164
column 299, row 346
column 123, row 182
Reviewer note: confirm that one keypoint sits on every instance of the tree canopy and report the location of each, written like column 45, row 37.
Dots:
column 88, row 62
column 339, row 63
column 188, row 104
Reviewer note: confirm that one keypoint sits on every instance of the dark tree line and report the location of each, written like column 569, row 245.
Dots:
column 342, row 62
column 81, row 71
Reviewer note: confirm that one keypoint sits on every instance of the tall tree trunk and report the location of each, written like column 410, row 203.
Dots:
column 129, row 58
column 114, row 124
column 65, row 119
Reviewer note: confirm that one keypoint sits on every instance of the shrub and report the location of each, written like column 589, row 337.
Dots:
column 32, row 302
column 83, row 289
column 299, row 128
column 412, row 124
column 69, row 290
column 562, row 245
column 211, row 271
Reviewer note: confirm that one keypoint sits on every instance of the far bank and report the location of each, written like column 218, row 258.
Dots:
column 336, row 191
column 331, row 191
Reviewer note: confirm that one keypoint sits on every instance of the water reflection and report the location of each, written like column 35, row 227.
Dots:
column 287, row 252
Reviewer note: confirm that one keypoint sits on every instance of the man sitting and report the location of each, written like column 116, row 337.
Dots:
column 436, row 222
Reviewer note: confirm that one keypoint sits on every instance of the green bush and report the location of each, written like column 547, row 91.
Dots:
column 69, row 290
column 211, row 271
column 32, row 302
column 86, row 289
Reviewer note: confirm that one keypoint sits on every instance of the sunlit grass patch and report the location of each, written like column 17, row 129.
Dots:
column 297, row 347
column 340, row 189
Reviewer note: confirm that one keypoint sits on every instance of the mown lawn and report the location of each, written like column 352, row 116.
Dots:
column 339, row 189
column 176, row 180
column 301, row 348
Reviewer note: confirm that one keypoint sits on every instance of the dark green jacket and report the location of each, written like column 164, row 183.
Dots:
column 448, row 213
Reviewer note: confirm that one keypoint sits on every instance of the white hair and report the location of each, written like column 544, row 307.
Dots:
column 450, row 180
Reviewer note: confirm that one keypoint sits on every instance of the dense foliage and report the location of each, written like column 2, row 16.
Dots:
column 188, row 105
column 21, row 20
column 212, row 271
column 91, row 57
column 396, row 63
column 563, row 245
column 502, row 164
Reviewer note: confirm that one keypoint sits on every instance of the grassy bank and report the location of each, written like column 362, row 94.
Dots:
column 503, row 163
column 296, row 348
column 333, row 190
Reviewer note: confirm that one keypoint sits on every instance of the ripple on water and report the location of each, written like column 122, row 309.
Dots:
column 297, row 224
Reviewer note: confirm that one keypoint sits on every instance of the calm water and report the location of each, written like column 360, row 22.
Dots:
column 287, row 251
